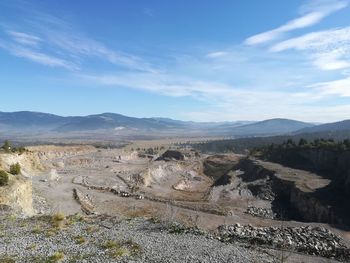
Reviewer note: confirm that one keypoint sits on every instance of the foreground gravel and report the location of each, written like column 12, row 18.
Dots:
column 94, row 239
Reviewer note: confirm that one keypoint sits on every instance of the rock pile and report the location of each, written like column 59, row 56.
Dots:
column 85, row 201
column 171, row 155
column 261, row 212
column 310, row 240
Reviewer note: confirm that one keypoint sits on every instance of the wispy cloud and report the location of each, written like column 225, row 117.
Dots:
column 339, row 87
column 329, row 49
column 49, row 38
column 43, row 59
column 217, row 54
column 237, row 101
column 24, row 38
column 236, row 81
column 315, row 13
column 76, row 45
column 38, row 57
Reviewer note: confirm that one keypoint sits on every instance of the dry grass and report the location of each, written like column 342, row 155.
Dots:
column 56, row 257
column 121, row 249
column 79, row 239
column 57, row 220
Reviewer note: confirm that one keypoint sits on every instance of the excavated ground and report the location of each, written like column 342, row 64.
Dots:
column 205, row 191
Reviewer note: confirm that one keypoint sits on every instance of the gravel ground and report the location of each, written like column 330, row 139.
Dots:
column 106, row 239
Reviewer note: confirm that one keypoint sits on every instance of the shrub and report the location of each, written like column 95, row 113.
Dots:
column 57, row 220
column 7, row 146
column 56, row 257
column 15, row 169
column 4, row 178
column 79, row 239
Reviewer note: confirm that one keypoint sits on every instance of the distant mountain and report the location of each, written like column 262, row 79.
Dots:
column 328, row 127
column 37, row 121
column 28, row 120
column 270, row 127
column 116, row 121
column 25, row 122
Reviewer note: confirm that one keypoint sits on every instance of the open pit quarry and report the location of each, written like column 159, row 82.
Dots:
column 212, row 208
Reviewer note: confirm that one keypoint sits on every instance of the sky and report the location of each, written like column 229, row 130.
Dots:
column 199, row 60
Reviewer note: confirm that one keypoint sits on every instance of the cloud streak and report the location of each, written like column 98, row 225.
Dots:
column 43, row 59
column 315, row 15
column 55, row 42
column 38, row 57
column 340, row 87
column 25, row 39
column 329, row 49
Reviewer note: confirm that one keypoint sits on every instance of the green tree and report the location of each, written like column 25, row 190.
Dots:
column 15, row 169
column 4, row 178
column 302, row 142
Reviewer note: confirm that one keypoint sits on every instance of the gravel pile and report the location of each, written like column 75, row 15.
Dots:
column 314, row 241
column 108, row 239
column 261, row 212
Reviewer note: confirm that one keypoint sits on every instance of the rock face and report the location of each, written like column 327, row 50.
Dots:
column 18, row 195
column 314, row 241
column 293, row 196
column 29, row 162
column 333, row 164
column 171, row 155
column 217, row 167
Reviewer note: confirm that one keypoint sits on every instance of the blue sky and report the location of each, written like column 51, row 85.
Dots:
column 192, row 60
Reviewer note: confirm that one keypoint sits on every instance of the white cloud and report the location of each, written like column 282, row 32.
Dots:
column 339, row 87
column 37, row 56
column 217, row 54
column 301, row 22
column 79, row 46
column 24, row 38
column 43, row 59
column 239, row 102
column 329, row 49
column 315, row 14
column 322, row 40
column 58, row 38
column 323, row 6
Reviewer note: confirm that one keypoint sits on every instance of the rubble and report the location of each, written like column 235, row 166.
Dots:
column 261, row 212
column 317, row 241
column 85, row 201
column 171, row 155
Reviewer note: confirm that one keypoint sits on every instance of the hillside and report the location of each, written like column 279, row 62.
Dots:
column 111, row 124
column 331, row 127
column 271, row 127
column 37, row 121
column 29, row 120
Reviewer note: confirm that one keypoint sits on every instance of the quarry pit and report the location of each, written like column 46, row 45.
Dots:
column 198, row 190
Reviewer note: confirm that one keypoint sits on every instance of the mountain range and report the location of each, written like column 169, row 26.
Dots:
column 38, row 122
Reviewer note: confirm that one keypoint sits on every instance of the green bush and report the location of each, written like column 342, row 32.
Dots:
column 4, row 178
column 15, row 169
